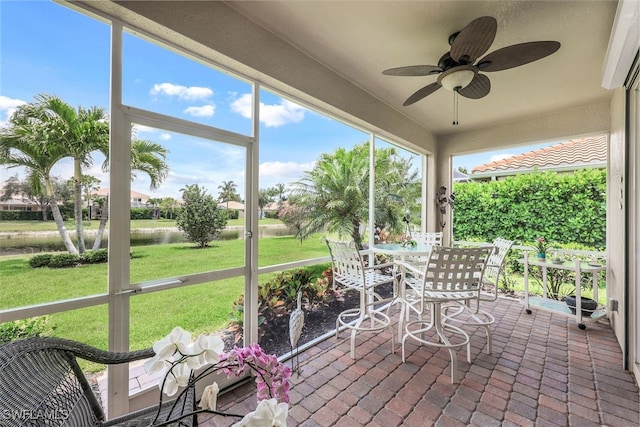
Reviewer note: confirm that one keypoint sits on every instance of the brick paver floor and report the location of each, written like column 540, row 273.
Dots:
column 544, row 371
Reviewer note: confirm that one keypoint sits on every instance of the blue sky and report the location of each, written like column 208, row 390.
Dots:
column 46, row 48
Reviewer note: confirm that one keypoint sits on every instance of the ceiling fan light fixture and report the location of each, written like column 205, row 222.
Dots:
column 457, row 77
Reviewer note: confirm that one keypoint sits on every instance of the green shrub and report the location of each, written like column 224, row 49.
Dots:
column 95, row 257
column 278, row 296
column 25, row 328
column 567, row 208
column 41, row 260
column 200, row 218
column 271, row 214
column 64, row 261
column 141, row 213
column 23, row 215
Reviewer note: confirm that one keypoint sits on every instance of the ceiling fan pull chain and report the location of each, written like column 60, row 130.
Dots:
column 455, row 107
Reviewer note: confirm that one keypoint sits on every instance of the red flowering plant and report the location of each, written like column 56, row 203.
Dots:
column 179, row 358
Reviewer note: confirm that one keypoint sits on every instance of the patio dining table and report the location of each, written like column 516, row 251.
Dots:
column 402, row 253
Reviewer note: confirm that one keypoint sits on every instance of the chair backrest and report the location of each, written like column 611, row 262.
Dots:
column 346, row 263
column 496, row 260
column 42, row 384
column 455, row 270
column 429, row 238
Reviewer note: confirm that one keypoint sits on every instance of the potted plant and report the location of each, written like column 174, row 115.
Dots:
column 541, row 248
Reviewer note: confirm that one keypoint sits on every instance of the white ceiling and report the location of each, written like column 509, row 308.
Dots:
column 360, row 39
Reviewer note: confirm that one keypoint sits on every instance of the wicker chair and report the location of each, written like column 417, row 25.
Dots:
column 41, row 384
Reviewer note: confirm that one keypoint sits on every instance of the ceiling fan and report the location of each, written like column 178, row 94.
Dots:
column 458, row 70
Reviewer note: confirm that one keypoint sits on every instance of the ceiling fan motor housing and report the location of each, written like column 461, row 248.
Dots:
column 457, row 77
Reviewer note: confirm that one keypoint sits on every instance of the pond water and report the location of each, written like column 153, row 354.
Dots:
column 48, row 241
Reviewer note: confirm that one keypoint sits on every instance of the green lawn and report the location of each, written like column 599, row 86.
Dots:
column 197, row 308
column 24, row 226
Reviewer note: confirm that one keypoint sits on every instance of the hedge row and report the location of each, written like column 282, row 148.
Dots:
column 22, row 216
column 136, row 213
column 563, row 208
column 65, row 260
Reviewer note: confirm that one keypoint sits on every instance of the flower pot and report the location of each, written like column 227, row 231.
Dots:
column 541, row 256
column 588, row 305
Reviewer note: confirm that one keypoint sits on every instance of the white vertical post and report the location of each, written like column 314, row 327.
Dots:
column 372, row 190
column 119, row 231
column 251, row 226
column 424, row 193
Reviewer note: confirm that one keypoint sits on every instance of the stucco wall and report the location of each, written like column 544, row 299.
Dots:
column 616, row 218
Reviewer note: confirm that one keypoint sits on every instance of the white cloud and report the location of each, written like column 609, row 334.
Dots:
column 242, row 105
column 273, row 115
column 284, row 169
column 145, row 132
column 204, row 111
column 7, row 108
column 183, row 93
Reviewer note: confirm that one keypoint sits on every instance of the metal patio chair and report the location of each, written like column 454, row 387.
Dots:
column 350, row 271
column 449, row 275
column 495, row 267
column 472, row 313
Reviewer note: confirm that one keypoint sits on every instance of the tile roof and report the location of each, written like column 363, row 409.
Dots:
column 573, row 154
column 134, row 194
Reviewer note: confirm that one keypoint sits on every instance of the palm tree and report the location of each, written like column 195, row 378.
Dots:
column 70, row 133
column 265, row 197
column 228, row 192
column 46, row 131
column 80, row 132
column 279, row 190
column 147, row 157
column 334, row 195
column 30, row 143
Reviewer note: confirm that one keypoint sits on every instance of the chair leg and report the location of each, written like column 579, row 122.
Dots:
column 403, row 309
column 476, row 318
column 441, row 340
column 353, row 343
column 378, row 321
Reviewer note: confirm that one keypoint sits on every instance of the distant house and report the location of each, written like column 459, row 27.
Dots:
column 564, row 157
column 137, row 200
column 17, row 202
column 233, row 206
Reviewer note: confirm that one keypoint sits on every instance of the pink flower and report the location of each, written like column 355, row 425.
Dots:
column 179, row 359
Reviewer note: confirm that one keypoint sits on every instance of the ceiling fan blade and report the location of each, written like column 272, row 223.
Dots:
column 516, row 55
column 474, row 40
column 479, row 87
column 413, row 70
column 422, row 93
